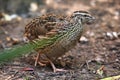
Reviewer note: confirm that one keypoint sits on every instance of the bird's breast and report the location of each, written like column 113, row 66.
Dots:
column 63, row 44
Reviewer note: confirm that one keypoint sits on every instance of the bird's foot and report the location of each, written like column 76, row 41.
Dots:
column 39, row 61
column 56, row 69
column 41, row 64
column 59, row 70
column 44, row 62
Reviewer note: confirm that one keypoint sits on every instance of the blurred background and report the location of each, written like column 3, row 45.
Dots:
column 100, row 45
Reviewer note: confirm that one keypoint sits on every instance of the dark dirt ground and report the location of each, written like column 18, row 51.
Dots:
column 100, row 50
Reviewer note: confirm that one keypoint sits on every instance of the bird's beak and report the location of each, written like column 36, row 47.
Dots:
column 92, row 20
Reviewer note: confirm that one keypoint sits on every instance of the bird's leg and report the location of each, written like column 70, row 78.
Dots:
column 36, row 59
column 54, row 68
column 39, row 61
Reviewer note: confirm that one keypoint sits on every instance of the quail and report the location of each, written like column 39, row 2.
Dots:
column 65, row 32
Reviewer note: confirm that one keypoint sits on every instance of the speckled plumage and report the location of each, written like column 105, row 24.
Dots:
column 66, row 31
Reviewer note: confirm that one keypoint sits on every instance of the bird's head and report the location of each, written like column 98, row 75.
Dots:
column 83, row 16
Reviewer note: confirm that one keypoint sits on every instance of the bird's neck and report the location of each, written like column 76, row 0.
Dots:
column 77, row 28
column 74, row 30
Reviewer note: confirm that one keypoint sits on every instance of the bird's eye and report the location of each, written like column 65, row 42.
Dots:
column 85, row 15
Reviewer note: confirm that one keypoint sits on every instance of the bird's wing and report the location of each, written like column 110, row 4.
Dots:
column 44, row 26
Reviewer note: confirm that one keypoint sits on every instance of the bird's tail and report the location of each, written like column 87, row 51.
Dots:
column 9, row 54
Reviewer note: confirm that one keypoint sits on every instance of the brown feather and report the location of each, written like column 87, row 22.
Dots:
column 45, row 25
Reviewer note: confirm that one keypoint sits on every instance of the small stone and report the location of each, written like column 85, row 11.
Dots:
column 83, row 39
column 33, row 7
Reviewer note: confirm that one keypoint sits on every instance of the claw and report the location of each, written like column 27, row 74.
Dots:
column 41, row 64
column 59, row 70
column 56, row 69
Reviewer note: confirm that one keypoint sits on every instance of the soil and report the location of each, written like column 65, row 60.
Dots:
column 96, row 56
